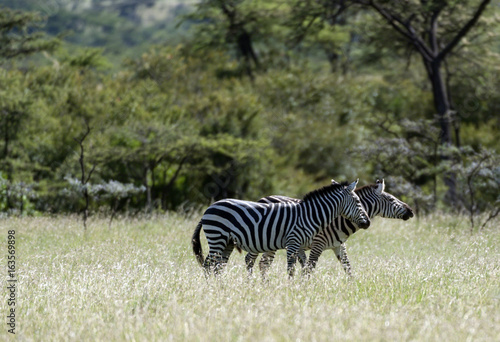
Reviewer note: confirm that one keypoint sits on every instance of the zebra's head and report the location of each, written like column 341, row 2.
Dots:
column 351, row 207
column 389, row 206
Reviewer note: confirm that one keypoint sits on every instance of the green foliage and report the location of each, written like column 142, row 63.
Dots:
column 179, row 125
column 479, row 184
column 16, row 198
column 18, row 34
column 122, row 28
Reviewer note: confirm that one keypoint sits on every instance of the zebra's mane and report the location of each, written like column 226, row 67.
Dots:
column 367, row 187
column 326, row 189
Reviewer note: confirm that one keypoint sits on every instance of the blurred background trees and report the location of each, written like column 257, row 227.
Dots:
column 191, row 102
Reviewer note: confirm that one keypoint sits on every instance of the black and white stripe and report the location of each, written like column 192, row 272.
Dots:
column 266, row 227
column 376, row 202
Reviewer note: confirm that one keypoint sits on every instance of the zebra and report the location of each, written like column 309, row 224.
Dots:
column 265, row 227
column 373, row 198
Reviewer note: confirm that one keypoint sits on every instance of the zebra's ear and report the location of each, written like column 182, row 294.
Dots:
column 334, row 181
column 380, row 186
column 352, row 186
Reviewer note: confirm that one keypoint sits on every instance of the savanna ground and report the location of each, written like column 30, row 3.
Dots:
column 427, row 280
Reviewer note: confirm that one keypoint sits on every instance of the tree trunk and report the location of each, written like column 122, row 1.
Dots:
column 441, row 101
column 6, row 138
column 145, row 182
column 333, row 59
column 443, row 108
column 247, row 51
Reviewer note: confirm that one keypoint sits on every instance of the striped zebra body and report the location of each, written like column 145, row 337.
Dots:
column 259, row 227
column 376, row 203
column 267, row 227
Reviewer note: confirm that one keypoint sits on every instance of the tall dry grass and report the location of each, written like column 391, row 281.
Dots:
column 425, row 280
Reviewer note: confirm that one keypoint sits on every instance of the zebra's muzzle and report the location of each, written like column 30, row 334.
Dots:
column 408, row 215
column 364, row 224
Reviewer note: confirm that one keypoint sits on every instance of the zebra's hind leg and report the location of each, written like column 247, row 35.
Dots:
column 341, row 254
column 265, row 262
column 217, row 257
column 224, row 257
column 226, row 253
column 250, row 261
column 212, row 263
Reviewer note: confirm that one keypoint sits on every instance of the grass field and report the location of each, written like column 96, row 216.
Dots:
column 426, row 280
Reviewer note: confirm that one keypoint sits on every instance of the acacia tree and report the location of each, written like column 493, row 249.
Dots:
column 236, row 29
column 18, row 39
column 325, row 23
column 18, row 35
column 433, row 29
column 237, row 23
column 85, row 176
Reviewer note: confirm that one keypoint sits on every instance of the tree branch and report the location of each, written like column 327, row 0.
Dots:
column 433, row 31
column 464, row 29
column 492, row 215
column 176, row 174
column 404, row 28
column 389, row 17
column 84, row 180
column 299, row 37
column 387, row 129
column 90, row 174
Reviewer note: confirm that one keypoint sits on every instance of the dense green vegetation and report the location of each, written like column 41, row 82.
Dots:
column 104, row 108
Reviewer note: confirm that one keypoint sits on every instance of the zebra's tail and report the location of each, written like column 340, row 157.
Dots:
column 196, row 244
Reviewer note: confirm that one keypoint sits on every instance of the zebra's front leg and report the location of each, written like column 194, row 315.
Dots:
column 306, row 270
column 291, row 256
column 302, row 258
column 265, row 262
column 316, row 249
column 341, row 254
column 250, row 261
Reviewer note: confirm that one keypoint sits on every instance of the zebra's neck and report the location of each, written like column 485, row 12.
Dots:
column 319, row 212
column 371, row 207
column 345, row 227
